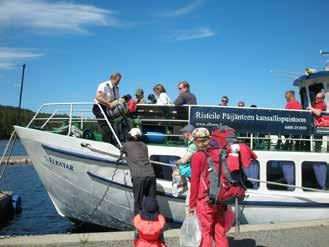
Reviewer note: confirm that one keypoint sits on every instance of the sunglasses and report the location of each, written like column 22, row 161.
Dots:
column 224, row 100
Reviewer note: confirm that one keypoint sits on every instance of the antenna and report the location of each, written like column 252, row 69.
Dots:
column 325, row 53
column 287, row 74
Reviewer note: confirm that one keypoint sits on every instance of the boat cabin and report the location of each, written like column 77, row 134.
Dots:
column 311, row 84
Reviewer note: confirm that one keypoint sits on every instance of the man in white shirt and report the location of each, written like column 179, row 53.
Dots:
column 108, row 91
column 108, row 97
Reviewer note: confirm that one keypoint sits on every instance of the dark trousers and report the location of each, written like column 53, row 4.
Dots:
column 106, row 132
column 142, row 186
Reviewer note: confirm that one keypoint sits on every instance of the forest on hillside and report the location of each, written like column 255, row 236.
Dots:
column 8, row 118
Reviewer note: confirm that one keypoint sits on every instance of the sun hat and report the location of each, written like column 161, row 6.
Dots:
column 201, row 133
column 134, row 132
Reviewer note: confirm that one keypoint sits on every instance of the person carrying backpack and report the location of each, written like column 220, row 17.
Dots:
column 217, row 180
column 210, row 215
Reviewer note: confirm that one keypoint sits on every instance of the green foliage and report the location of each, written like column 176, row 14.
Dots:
column 8, row 118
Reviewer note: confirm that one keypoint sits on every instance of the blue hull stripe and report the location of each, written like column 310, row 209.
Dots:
column 245, row 203
column 79, row 155
column 286, row 204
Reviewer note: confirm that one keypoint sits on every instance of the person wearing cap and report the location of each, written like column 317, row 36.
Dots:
column 185, row 97
column 210, row 215
column 140, row 96
column 149, row 224
column 142, row 174
column 184, row 162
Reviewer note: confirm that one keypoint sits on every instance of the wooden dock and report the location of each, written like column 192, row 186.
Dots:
column 17, row 160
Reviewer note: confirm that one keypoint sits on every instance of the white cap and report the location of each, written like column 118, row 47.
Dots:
column 135, row 132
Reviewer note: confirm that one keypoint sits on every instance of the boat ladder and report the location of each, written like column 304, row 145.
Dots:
column 7, row 153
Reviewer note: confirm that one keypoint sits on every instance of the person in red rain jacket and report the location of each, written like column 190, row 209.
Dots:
column 319, row 106
column 212, row 217
column 149, row 225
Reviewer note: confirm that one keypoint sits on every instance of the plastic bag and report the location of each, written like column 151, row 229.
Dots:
column 190, row 232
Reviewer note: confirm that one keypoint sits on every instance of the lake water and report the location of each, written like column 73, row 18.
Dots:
column 18, row 149
column 38, row 215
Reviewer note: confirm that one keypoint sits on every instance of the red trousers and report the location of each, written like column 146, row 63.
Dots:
column 212, row 224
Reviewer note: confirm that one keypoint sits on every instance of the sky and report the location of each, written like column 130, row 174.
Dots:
column 247, row 50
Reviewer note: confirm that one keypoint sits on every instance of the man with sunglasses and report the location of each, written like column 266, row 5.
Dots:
column 185, row 97
column 319, row 105
column 317, row 108
column 224, row 101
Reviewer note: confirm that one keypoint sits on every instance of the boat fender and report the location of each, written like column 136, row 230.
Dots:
column 16, row 202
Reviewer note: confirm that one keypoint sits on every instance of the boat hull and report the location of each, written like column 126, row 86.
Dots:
column 95, row 188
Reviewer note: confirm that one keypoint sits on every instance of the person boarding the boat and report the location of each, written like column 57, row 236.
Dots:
column 211, row 216
column 142, row 174
column 185, row 97
column 108, row 97
column 163, row 98
column 140, row 96
column 149, row 224
column 184, row 162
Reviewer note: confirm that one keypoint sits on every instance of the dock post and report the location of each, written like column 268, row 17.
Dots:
column 237, row 213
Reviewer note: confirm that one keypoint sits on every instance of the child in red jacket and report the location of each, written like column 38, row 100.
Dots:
column 149, row 225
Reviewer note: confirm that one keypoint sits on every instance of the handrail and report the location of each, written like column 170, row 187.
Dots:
column 287, row 185
column 252, row 137
column 87, row 145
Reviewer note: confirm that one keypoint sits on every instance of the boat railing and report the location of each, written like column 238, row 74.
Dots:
column 171, row 121
column 71, row 116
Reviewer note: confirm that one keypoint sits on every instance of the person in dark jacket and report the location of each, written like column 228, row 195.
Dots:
column 185, row 97
column 141, row 170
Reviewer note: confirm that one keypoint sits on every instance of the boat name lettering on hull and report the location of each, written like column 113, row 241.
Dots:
column 59, row 163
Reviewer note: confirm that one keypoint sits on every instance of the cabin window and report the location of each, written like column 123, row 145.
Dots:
column 161, row 171
column 252, row 172
column 282, row 172
column 315, row 175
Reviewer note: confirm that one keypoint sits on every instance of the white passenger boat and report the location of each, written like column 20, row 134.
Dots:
column 86, row 182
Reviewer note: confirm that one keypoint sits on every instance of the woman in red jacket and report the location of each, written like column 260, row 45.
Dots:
column 212, row 219
column 149, row 225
